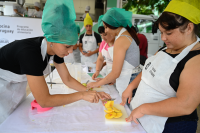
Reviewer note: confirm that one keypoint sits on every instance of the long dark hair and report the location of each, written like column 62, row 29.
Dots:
column 130, row 30
column 170, row 21
column 101, row 30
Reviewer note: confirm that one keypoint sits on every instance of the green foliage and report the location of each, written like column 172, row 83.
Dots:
column 146, row 6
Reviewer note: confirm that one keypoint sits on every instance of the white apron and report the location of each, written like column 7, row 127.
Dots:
column 13, row 88
column 155, row 87
column 73, row 57
column 89, row 44
column 36, row 13
column 123, row 80
column 69, row 58
column 76, row 52
column 108, row 60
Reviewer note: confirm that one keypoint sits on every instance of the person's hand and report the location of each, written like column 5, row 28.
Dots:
column 92, row 85
column 98, row 79
column 90, row 96
column 126, row 95
column 135, row 114
column 83, row 53
column 89, row 53
column 104, row 95
column 94, row 76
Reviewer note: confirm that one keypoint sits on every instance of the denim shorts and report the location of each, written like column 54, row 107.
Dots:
column 133, row 76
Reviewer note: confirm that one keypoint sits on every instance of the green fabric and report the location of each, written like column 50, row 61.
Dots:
column 118, row 17
column 100, row 22
column 99, row 76
column 78, row 29
column 111, row 3
column 58, row 22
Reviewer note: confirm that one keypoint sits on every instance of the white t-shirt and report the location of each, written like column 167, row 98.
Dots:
column 20, row 9
column 36, row 13
column 84, row 15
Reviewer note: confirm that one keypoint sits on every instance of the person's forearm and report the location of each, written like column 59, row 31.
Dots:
column 99, row 64
column 61, row 99
column 20, row 14
column 108, row 79
column 16, row 11
column 96, row 51
column 134, row 84
column 167, row 108
column 74, row 84
column 104, row 63
column 80, row 48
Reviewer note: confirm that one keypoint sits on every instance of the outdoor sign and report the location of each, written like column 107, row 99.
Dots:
column 17, row 28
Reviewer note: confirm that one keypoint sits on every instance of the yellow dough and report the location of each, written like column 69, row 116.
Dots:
column 111, row 111
column 111, row 115
column 118, row 115
column 116, row 110
column 109, row 104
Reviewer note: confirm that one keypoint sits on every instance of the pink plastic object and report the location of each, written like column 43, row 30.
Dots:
column 34, row 104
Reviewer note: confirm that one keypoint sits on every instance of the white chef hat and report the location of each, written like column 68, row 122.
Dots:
column 87, row 8
column 37, row 4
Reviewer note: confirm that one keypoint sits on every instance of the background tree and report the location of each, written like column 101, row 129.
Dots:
column 146, row 7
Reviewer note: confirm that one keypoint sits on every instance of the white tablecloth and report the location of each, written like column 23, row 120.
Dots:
column 77, row 117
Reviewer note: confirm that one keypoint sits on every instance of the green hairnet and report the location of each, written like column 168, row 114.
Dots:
column 118, row 17
column 100, row 22
column 78, row 29
column 58, row 22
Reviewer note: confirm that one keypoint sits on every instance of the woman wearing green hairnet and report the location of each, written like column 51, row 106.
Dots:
column 125, row 54
column 27, row 60
column 104, row 58
column 168, row 87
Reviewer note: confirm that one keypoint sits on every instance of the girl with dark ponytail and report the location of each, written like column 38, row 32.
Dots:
column 125, row 54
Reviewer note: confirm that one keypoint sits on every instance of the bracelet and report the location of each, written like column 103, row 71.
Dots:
column 97, row 70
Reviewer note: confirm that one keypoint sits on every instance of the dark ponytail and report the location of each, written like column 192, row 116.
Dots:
column 170, row 21
column 130, row 30
column 101, row 30
column 133, row 34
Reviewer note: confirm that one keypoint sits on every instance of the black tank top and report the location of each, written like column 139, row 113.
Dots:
column 174, row 82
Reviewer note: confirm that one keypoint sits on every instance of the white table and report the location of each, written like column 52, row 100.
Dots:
column 77, row 117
